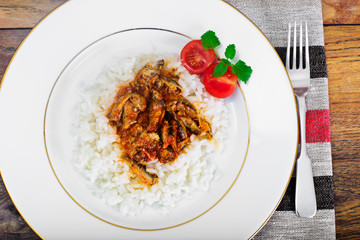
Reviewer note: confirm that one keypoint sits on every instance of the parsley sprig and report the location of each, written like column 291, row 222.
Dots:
column 209, row 40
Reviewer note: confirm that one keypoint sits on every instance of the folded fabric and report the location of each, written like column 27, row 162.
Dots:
column 272, row 18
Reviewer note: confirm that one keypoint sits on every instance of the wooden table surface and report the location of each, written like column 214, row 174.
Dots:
column 342, row 48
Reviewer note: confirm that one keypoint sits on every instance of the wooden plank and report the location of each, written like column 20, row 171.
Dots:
column 342, row 47
column 25, row 13
column 341, row 11
column 10, row 39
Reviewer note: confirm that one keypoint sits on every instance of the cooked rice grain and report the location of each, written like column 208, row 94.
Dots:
column 97, row 154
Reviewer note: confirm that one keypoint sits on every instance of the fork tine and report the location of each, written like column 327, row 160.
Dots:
column 307, row 59
column 301, row 48
column 288, row 49
column 294, row 48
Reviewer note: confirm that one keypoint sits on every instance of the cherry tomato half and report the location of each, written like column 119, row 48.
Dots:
column 222, row 86
column 195, row 58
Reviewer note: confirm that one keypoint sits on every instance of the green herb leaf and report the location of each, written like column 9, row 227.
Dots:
column 209, row 40
column 219, row 69
column 230, row 51
column 227, row 62
column 242, row 71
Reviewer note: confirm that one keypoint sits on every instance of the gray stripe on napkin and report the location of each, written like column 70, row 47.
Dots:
column 287, row 225
column 272, row 17
column 320, row 154
column 317, row 97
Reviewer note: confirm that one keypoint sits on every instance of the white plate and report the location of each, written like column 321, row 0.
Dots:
column 60, row 142
column 53, row 44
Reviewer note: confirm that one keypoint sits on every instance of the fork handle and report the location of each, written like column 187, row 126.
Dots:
column 305, row 199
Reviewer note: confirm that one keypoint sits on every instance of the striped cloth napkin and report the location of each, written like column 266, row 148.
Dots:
column 273, row 17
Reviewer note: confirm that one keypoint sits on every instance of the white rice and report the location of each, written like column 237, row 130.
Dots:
column 97, row 153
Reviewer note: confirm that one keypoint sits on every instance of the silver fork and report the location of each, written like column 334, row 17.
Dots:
column 305, row 199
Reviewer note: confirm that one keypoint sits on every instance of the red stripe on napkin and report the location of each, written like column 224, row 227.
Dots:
column 318, row 126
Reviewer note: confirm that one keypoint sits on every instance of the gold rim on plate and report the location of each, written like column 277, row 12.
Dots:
column 88, row 211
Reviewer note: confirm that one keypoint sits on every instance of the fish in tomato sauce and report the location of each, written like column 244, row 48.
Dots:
column 153, row 119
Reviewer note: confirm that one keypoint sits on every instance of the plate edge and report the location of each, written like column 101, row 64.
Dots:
column 297, row 114
column 2, row 81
